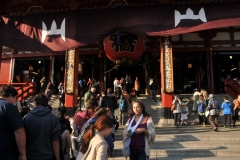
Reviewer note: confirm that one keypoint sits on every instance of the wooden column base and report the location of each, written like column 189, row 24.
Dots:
column 166, row 105
column 167, row 113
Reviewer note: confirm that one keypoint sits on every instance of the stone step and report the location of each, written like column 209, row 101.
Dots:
column 170, row 137
column 218, row 152
column 160, row 129
column 192, row 120
column 188, row 144
column 202, row 157
column 190, row 133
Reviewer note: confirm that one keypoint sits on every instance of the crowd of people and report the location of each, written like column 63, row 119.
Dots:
column 89, row 134
column 207, row 108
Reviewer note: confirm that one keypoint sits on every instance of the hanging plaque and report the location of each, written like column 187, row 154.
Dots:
column 69, row 72
column 167, row 64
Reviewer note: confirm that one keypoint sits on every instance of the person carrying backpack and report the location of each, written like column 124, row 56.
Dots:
column 122, row 104
column 201, row 111
column 213, row 109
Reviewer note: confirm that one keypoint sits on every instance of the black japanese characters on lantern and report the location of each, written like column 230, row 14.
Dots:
column 123, row 48
column 123, row 42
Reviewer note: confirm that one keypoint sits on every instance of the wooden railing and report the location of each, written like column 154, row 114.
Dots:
column 24, row 89
column 232, row 87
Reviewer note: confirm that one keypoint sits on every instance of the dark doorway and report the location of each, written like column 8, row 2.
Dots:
column 30, row 70
column 228, row 67
column 190, row 72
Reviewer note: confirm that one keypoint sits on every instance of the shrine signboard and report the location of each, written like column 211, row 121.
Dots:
column 69, row 72
column 167, row 65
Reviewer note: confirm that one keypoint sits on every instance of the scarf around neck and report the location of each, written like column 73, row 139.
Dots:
column 135, row 126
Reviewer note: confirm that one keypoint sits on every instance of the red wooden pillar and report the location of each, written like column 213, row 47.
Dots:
column 71, row 80
column 166, row 68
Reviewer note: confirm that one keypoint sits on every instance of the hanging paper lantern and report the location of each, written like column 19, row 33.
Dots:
column 123, row 48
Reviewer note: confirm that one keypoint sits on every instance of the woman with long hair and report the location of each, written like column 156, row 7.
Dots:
column 139, row 133
column 94, row 146
column 99, row 112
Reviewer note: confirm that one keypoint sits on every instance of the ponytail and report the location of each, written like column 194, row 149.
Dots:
column 86, row 139
column 102, row 123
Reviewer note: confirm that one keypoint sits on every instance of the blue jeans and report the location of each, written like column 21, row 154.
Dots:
column 177, row 118
column 137, row 155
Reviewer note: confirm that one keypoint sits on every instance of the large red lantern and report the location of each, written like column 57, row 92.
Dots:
column 123, row 48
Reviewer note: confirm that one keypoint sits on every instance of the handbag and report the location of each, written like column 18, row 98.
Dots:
column 173, row 106
column 207, row 113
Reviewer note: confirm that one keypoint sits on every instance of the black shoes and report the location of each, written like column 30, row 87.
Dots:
column 177, row 126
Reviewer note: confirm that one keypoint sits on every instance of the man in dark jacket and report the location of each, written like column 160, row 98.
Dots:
column 42, row 131
column 153, row 88
column 106, row 101
column 62, row 96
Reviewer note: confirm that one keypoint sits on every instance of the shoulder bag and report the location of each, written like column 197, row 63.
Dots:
column 207, row 113
column 173, row 106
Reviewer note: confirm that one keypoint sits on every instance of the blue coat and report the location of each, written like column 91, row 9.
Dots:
column 227, row 107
